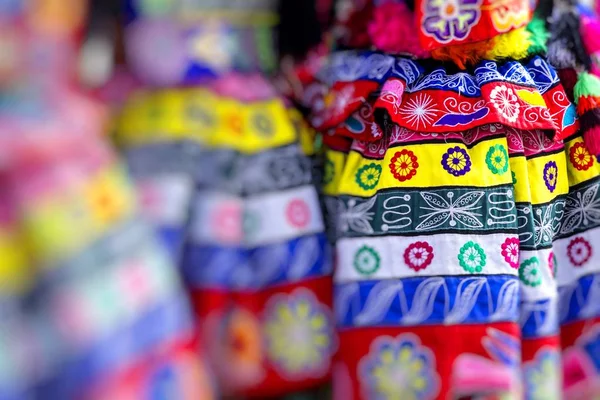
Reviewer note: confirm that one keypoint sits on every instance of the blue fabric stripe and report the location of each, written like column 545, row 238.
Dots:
column 430, row 300
column 237, row 268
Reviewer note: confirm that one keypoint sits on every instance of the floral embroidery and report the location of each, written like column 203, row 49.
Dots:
column 419, row 110
column 243, row 345
column 550, row 175
column 529, row 272
column 456, row 161
column 514, row 177
column 398, row 368
column 418, row 255
column 552, row 263
column 368, row 176
column 472, row 258
column 298, row 213
column 580, row 157
column 579, row 251
column 227, row 222
column 263, row 125
column 366, row 260
column 328, row 172
column 510, row 252
column 404, row 165
column 506, row 102
column 543, row 377
column 298, row 334
column 497, row 159
column 450, row 20
column 107, row 198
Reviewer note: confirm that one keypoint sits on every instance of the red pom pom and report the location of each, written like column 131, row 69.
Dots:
column 591, row 138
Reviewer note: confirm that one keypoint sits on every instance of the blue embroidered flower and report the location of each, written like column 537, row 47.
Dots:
column 398, row 368
column 550, row 175
column 456, row 161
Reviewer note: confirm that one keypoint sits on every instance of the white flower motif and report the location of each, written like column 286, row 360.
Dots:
column 419, row 110
column 506, row 102
column 472, row 258
column 512, row 253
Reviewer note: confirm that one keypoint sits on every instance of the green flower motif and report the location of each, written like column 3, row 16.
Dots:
column 497, row 159
column 250, row 223
column 472, row 258
column 263, row 124
column 328, row 172
column 529, row 272
column 366, row 260
column 514, row 177
column 368, row 176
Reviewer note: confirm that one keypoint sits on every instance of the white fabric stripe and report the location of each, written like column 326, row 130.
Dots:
column 165, row 198
column 547, row 289
column 568, row 273
column 259, row 220
column 392, row 264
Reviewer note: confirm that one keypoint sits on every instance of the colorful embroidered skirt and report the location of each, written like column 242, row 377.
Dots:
column 91, row 305
column 465, row 248
column 255, row 258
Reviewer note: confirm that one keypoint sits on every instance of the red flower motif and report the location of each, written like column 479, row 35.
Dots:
column 298, row 213
column 404, row 165
column 579, row 251
column 510, row 252
column 580, row 157
column 418, row 255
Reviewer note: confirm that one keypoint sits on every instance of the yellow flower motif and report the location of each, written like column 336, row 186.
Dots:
column 299, row 334
column 109, row 197
column 399, row 368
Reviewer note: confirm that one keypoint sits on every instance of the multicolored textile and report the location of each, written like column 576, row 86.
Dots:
column 465, row 223
column 199, row 39
column 255, row 259
column 91, row 305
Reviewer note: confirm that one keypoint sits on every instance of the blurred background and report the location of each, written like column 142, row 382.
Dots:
column 161, row 236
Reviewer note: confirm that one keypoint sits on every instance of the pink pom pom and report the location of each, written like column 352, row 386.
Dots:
column 590, row 32
column 393, row 30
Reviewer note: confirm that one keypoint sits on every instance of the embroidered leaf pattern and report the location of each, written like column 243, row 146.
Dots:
column 565, row 294
column 467, row 293
column 582, row 209
column 423, row 301
column 345, row 297
column 591, row 307
column 378, row 302
column 306, row 255
column 508, row 302
column 267, row 262
column 356, row 216
column 550, row 324
column 461, row 211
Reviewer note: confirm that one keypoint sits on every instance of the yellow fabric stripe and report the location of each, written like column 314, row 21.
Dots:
column 429, row 172
column 15, row 272
column 529, row 174
column 577, row 176
column 61, row 224
column 334, row 167
column 202, row 116
column 535, row 169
